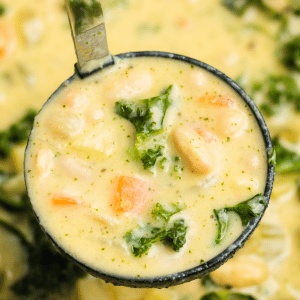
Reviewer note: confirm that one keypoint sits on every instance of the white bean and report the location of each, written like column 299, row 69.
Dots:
column 128, row 87
column 44, row 161
column 75, row 167
column 65, row 124
column 195, row 151
column 241, row 272
column 231, row 123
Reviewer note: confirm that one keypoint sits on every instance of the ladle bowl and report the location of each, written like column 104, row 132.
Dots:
column 212, row 264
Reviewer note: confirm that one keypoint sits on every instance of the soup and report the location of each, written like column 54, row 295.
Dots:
column 134, row 170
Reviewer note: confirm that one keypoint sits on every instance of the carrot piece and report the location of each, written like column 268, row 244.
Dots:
column 131, row 194
column 63, row 200
column 8, row 39
column 205, row 133
column 218, row 100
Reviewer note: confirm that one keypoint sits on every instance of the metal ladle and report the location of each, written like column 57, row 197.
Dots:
column 90, row 42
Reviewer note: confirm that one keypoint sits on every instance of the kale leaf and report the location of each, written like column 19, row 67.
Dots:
column 147, row 116
column 84, row 13
column 16, row 133
column 224, row 295
column 290, row 54
column 11, row 202
column 246, row 210
column 287, row 161
column 173, row 235
column 276, row 91
column 176, row 235
column 2, row 9
column 238, row 7
column 165, row 213
column 142, row 244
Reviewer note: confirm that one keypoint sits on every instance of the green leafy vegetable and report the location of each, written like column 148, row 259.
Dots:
column 238, row 7
column 224, row 295
column 287, row 161
column 147, row 116
column 2, row 9
column 246, row 210
column 141, row 245
column 165, row 213
column 14, row 201
column 298, row 187
column 290, row 54
column 16, row 133
column 84, row 13
column 276, row 92
column 174, row 235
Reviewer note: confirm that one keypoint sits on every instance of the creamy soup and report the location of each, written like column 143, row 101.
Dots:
column 134, row 170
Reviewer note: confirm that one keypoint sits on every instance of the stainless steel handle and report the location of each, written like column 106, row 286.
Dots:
column 89, row 35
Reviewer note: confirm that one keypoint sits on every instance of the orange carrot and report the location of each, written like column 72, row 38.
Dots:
column 131, row 194
column 63, row 201
column 218, row 100
column 8, row 39
column 207, row 135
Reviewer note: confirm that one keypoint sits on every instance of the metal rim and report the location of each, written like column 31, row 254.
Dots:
column 212, row 264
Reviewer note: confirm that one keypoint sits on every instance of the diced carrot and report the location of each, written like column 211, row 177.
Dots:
column 131, row 194
column 8, row 39
column 63, row 201
column 218, row 100
column 183, row 22
column 205, row 133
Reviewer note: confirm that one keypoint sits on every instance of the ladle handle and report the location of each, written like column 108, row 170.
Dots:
column 89, row 35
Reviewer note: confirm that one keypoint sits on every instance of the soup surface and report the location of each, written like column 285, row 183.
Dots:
column 150, row 148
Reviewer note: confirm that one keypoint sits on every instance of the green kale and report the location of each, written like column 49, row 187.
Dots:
column 176, row 235
column 2, row 9
column 165, row 213
column 173, row 235
column 11, row 202
column 147, row 116
column 298, row 187
column 150, row 156
column 290, row 54
column 287, row 161
column 16, row 133
column 225, row 295
column 84, row 13
column 276, row 92
column 246, row 210
column 238, row 7
column 141, row 244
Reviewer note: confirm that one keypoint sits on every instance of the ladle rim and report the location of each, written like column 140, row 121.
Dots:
column 206, row 267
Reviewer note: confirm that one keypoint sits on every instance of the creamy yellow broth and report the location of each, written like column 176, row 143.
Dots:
column 213, row 157
column 205, row 30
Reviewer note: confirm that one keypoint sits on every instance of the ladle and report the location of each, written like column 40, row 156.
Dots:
column 88, row 30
